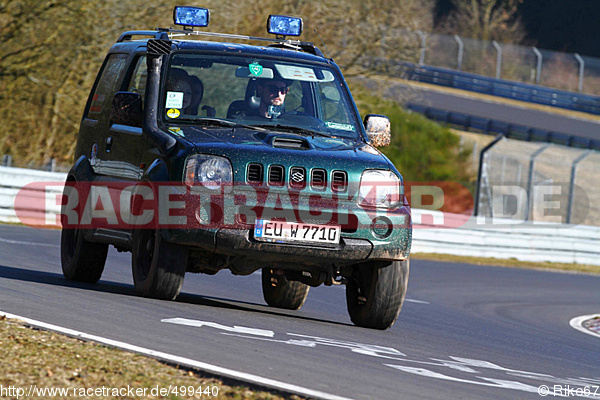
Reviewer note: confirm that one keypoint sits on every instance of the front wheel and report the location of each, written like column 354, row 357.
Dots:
column 81, row 260
column 375, row 293
column 279, row 292
column 158, row 267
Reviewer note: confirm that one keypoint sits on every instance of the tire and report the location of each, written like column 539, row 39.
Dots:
column 279, row 292
column 374, row 294
column 81, row 260
column 158, row 267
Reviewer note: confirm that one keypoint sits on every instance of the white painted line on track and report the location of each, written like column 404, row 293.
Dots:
column 577, row 323
column 27, row 243
column 187, row 362
column 416, row 301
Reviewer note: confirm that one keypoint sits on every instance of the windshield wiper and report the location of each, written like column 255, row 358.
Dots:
column 294, row 129
column 225, row 123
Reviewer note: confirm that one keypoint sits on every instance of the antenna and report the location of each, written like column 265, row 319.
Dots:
column 325, row 47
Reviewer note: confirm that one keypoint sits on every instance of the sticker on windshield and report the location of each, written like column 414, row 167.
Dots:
column 255, row 69
column 303, row 73
column 174, row 100
column 176, row 130
column 341, row 127
column 173, row 113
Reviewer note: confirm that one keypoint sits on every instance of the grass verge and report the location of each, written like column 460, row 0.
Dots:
column 41, row 359
column 513, row 263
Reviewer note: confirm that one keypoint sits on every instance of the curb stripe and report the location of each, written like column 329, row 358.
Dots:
column 577, row 323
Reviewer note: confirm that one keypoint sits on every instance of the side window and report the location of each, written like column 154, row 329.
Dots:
column 293, row 100
column 332, row 105
column 106, row 85
column 137, row 83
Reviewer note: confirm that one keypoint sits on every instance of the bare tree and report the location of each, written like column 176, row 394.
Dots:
column 350, row 29
column 52, row 50
column 486, row 20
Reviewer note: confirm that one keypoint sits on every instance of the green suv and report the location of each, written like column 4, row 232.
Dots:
column 238, row 153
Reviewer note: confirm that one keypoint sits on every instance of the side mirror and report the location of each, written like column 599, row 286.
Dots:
column 378, row 130
column 127, row 109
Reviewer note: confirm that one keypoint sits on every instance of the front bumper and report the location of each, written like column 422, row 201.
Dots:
column 362, row 243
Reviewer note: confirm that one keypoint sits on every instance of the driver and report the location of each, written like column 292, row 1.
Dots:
column 272, row 97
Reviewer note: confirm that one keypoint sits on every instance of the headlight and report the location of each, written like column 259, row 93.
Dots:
column 212, row 172
column 379, row 188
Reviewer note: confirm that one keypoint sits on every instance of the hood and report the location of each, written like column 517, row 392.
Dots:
column 243, row 146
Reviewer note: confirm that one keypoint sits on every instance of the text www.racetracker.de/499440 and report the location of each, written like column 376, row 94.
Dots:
column 128, row 391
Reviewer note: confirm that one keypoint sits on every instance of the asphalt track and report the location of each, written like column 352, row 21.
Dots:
column 468, row 332
column 505, row 111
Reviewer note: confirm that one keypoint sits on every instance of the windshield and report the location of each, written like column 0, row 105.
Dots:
column 288, row 96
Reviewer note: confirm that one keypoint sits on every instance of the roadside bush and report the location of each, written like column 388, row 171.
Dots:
column 421, row 149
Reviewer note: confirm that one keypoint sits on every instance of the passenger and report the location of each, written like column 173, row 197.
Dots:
column 179, row 81
column 197, row 95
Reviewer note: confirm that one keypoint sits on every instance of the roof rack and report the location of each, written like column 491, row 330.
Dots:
column 128, row 36
column 170, row 33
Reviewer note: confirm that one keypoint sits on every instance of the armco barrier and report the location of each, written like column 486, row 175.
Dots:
column 12, row 181
column 502, row 239
column 487, row 85
column 525, row 241
column 510, row 131
column 503, row 88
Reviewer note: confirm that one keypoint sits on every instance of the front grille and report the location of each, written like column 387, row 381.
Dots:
column 297, row 177
column 276, row 175
column 318, row 179
column 255, row 173
column 339, row 181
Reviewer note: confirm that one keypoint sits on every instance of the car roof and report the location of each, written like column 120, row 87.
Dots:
column 258, row 50
column 284, row 49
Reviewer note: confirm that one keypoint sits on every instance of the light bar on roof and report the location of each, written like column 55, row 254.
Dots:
column 284, row 25
column 191, row 16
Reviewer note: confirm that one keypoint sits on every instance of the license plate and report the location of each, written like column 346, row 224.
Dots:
column 278, row 231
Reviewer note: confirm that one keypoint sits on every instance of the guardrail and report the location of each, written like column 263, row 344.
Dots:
column 504, row 88
column 510, row 131
column 528, row 241
column 504, row 239
column 13, row 182
column 488, row 85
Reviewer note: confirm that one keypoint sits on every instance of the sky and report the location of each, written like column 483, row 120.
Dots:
column 571, row 26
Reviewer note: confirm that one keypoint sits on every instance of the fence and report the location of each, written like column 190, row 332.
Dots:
column 566, row 71
column 539, row 182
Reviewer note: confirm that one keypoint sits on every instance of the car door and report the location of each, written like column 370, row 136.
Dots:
column 124, row 142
